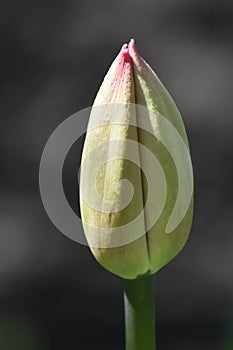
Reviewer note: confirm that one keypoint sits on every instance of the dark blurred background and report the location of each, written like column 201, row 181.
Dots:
column 54, row 54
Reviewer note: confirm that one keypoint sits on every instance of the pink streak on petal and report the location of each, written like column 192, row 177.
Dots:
column 118, row 85
column 122, row 66
column 124, row 54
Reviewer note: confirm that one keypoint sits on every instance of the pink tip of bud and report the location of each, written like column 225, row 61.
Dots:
column 132, row 45
column 132, row 49
column 129, row 50
column 125, row 52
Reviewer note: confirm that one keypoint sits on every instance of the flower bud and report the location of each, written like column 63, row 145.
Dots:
column 136, row 189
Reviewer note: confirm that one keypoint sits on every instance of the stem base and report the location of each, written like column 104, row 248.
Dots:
column 139, row 313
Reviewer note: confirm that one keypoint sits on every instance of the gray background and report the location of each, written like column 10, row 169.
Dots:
column 53, row 295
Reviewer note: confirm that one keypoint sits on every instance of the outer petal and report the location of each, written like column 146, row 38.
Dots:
column 151, row 93
column 129, row 260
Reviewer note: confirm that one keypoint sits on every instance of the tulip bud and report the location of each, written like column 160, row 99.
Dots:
column 136, row 189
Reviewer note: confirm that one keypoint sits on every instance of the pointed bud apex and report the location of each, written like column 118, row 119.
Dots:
column 136, row 190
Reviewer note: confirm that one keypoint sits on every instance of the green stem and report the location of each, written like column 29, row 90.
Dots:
column 139, row 313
